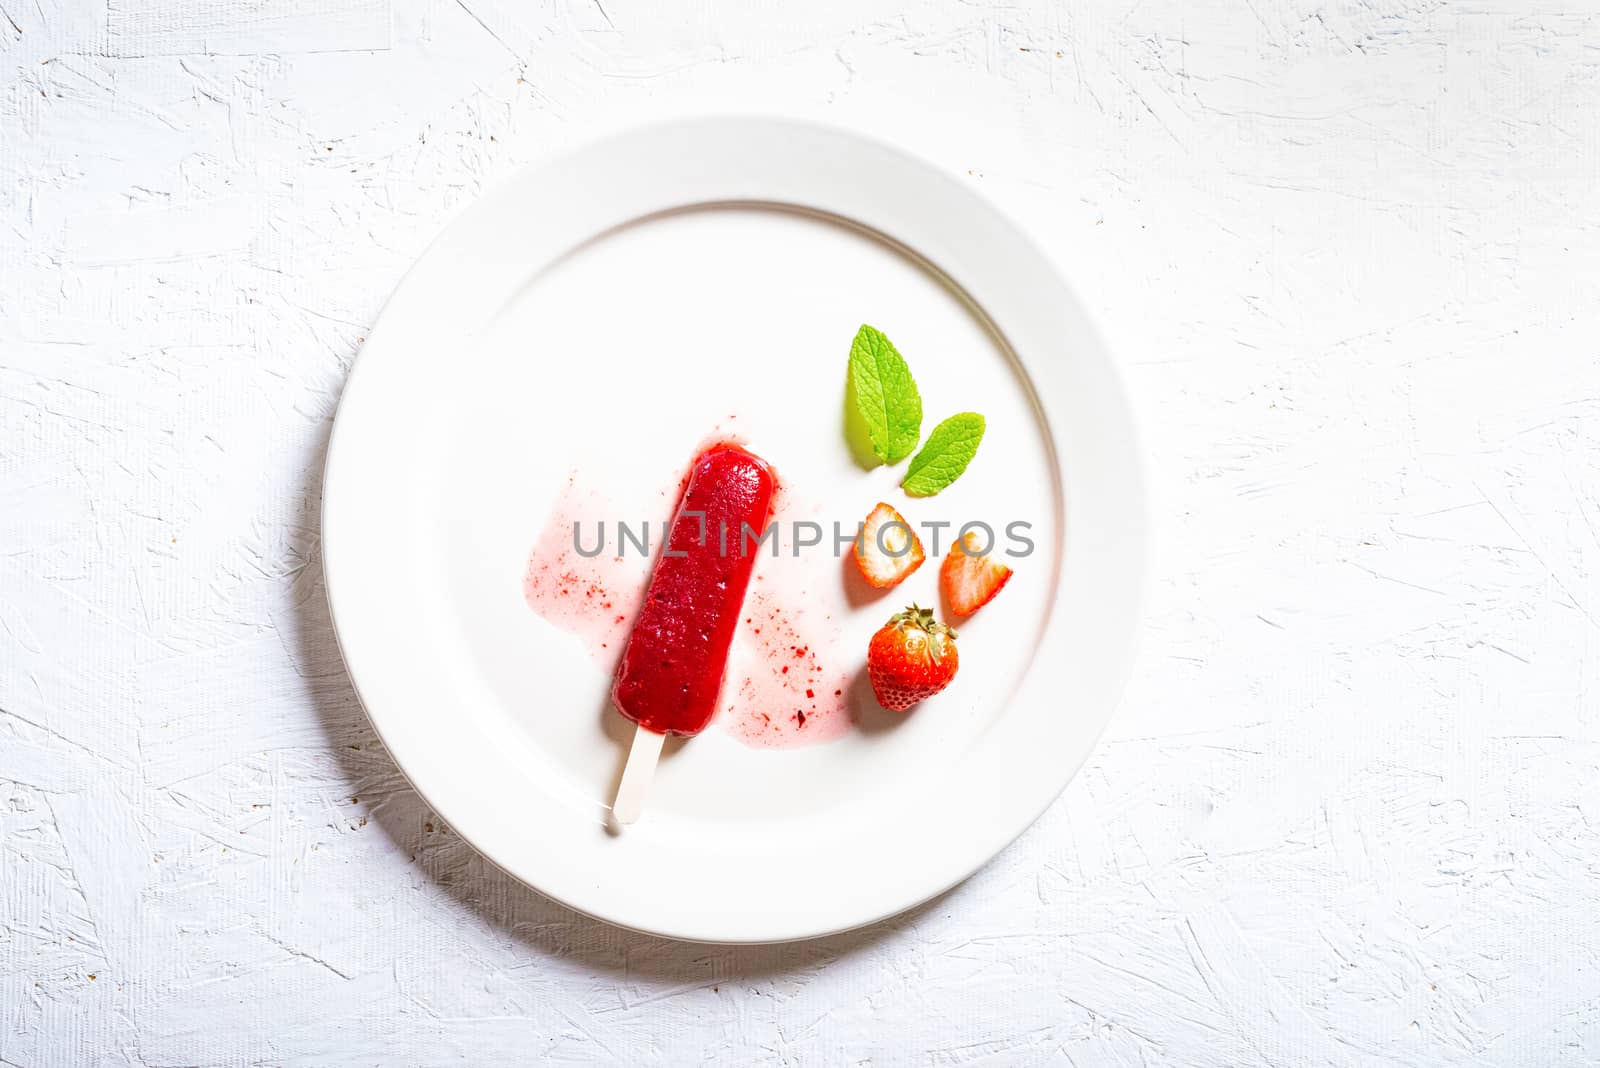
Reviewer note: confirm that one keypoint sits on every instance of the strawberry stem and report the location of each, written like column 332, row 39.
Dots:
column 921, row 618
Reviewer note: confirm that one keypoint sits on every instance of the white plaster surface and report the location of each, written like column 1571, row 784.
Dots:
column 1349, row 811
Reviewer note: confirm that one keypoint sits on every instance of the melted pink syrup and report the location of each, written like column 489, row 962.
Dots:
column 787, row 681
column 782, row 689
column 593, row 598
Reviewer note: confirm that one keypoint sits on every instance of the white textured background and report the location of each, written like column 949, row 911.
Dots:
column 1349, row 810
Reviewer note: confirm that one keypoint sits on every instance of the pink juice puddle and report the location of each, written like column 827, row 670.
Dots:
column 593, row 598
column 787, row 680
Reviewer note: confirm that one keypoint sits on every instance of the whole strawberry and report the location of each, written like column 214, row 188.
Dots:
column 911, row 657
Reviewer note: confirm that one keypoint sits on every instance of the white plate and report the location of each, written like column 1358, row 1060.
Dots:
column 592, row 320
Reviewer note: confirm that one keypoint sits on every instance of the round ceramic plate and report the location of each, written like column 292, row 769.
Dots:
column 556, row 358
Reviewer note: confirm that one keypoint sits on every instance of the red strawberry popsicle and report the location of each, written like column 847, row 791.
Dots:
column 672, row 666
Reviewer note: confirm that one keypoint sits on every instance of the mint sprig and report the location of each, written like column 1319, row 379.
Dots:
column 948, row 451
column 885, row 395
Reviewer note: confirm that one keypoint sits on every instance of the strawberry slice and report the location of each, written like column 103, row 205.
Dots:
column 887, row 549
column 970, row 579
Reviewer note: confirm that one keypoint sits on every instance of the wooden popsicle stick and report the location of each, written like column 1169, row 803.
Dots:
column 636, row 775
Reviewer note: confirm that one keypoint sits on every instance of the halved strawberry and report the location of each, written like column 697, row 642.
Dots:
column 887, row 549
column 970, row 579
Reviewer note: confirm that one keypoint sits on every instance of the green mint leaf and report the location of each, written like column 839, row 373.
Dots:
column 886, row 395
column 950, row 448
